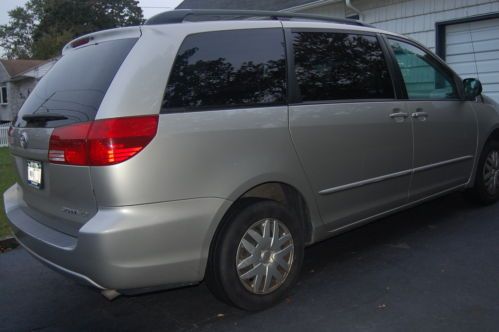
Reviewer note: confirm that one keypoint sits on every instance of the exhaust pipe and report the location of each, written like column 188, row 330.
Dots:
column 110, row 294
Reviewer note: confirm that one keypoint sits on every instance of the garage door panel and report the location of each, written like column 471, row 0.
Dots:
column 486, row 45
column 457, row 38
column 472, row 50
column 458, row 49
column 458, row 58
column 476, row 26
column 464, row 67
column 480, row 46
column 492, row 55
column 488, row 66
column 491, row 87
column 488, row 78
column 467, row 57
column 468, row 75
column 466, row 37
column 470, row 57
column 494, row 95
column 482, row 35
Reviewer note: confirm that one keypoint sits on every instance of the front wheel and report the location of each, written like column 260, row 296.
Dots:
column 257, row 255
column 486, row 188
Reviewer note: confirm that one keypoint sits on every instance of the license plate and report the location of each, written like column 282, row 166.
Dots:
column 35, row 173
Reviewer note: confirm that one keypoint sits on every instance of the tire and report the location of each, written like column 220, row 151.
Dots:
column 239, row 278
column 484, row 191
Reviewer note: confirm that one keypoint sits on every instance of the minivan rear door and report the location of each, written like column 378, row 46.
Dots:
column 352, row 135
column 57, row 195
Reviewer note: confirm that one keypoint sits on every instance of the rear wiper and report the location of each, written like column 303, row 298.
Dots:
column 43, row 117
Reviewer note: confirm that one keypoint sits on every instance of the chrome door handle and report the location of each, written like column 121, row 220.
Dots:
column 419, row 114
column 398, row 115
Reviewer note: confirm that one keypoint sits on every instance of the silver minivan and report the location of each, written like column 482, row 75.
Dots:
column 216, row 145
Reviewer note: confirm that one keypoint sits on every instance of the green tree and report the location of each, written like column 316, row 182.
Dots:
column 43, row 27
column 17, row 37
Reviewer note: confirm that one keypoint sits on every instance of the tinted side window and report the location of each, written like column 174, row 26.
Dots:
column 227, row 69
column 423, row 78
column 332, row 66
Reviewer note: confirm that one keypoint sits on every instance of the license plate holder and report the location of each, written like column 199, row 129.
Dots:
column 35, row 173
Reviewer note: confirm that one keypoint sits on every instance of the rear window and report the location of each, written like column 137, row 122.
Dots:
column 75, row 86
column 335, row 66
column 237, row 68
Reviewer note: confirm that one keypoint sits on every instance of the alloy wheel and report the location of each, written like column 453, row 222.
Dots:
column 265, row 256
column 491, row 172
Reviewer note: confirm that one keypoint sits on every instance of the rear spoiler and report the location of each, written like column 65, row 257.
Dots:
column 102, row 36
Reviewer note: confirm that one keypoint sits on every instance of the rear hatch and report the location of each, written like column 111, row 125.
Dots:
column 57, row 195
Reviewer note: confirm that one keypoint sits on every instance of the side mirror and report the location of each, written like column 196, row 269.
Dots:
column 472, row 88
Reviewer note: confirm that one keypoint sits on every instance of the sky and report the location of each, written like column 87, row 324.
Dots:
column 149, row 8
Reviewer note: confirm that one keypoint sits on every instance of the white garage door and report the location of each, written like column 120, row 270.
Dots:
column 472, row 50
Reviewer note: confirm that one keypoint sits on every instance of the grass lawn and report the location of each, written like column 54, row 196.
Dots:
column 7, row 179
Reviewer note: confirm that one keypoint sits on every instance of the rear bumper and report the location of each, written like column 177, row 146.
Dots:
column 131, row 247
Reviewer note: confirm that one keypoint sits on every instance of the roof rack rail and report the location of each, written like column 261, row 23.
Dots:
column 180, row 15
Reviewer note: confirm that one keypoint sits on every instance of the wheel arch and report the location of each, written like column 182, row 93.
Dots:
column 492, row 136
column 282, row 192
column 302, row 205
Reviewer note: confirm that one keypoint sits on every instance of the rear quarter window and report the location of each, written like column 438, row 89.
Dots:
column 75, row 86
column 236, row 68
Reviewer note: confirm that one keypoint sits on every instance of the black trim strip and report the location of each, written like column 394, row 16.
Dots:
column 334, row 30
column 294, row 95
column 364, row 182
column 381, row 178
column 343, row 101
column 395, row 72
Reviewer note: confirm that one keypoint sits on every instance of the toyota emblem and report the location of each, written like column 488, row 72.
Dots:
column 23, row 140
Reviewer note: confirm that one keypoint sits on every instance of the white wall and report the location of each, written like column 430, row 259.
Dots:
column 4, row 109
column 414, row 18
column 19, row 92
column 335, row 10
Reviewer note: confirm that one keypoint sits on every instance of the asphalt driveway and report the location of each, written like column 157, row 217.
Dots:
column 434, row 267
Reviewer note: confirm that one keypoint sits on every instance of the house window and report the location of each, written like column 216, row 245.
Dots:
column 3, row 95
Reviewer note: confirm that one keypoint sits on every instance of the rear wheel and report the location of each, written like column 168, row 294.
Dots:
column 257, row 255
column 486, row 188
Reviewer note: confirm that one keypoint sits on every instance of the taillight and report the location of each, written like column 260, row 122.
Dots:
column 80, row 42
column 102, row 142
column 68, row 144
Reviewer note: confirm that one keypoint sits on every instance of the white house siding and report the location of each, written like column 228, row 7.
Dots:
column 333, row 9
column 472, row 48
column 4, row 109
column 19, row 91
column 20, row 87
column 414, row 18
